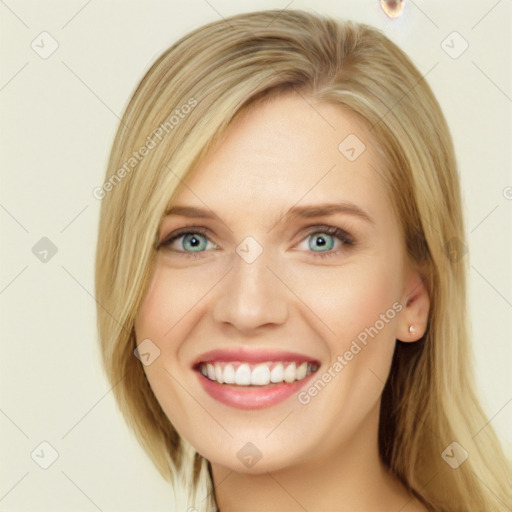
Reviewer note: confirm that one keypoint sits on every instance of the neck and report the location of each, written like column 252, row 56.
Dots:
column 351, row 477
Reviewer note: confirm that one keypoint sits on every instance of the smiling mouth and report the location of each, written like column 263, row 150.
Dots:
column 239, row 373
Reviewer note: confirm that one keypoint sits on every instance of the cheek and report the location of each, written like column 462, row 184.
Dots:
column 170, row 297
column 349, row 299
column 361, row 306
column 160, row 306
column 161, row 319
column 158, row 320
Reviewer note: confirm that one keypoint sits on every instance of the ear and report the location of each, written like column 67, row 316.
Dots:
column 414, row 317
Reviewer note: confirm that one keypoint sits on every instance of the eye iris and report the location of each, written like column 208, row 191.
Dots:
column 197, row 242
column 323, row 241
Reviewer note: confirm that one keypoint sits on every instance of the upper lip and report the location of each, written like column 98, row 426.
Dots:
column 251, row 356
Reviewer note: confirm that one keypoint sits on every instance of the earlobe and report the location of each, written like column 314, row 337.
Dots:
column 414, row 317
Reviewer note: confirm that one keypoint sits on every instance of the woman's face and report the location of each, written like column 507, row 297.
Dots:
column 294, row 263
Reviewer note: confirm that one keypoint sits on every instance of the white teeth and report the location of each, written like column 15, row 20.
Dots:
column 262, row 374
column 218, row 374
column 301, row 371
column 211, row 371
column 276, row 375
column 228, row 374
column 289, row 373
column 243, row 375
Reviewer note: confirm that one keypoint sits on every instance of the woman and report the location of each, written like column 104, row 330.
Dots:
column 281, row 276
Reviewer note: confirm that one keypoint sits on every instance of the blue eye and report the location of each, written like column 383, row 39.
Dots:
column 321, row 241
column 189, row 242
column 324, row 241
column 194, row 242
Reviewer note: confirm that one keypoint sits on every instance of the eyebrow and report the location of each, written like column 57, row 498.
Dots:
column 296, row 212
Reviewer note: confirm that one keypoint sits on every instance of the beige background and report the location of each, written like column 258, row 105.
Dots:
column 58, row 118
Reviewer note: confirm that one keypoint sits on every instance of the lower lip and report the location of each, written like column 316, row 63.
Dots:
column 253, row 397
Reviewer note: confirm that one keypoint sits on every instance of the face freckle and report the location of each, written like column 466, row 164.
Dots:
column 263, row 281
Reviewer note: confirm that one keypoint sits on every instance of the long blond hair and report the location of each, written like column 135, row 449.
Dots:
column 178, row 112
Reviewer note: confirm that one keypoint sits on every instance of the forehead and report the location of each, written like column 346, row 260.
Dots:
column 287, row 151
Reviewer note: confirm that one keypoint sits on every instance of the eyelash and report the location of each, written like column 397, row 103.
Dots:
column 338, row 233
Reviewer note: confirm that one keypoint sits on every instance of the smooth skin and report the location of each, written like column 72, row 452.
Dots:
column 307, row 292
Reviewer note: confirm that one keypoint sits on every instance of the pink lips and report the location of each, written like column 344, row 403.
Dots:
column 250, row 397
column 250, row 356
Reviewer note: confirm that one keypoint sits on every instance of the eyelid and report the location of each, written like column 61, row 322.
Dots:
column 183, row 231
column 335, row 231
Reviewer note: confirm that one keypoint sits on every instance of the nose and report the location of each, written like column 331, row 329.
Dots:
column 251, row 296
